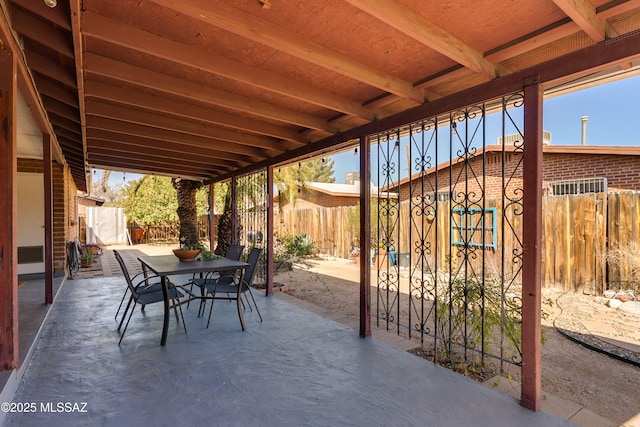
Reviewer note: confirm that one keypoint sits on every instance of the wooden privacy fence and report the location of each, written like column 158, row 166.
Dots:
column 578, row 231
column 581, row 232
column 170, row 232
column 332, row 229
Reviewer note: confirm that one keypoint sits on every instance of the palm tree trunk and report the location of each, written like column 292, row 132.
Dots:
column 187, row 209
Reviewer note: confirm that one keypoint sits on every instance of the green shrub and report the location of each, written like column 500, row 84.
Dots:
column 297, row 244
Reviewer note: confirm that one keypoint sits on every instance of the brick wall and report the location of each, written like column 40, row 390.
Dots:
column 621, row 171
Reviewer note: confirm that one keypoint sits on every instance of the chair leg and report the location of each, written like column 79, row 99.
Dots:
column 239, row 305
column 190, row 290
column 211, row 309
column 203, row 301
column 254, row 303
column 175, row 309
column 121, row 302
column 125, row 312
column 177, row 301
column 127, row 325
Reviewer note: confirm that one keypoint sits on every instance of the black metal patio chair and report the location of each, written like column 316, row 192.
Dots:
column 231, row 289
column 234, row 253
column 144, row 292
column 149, row 281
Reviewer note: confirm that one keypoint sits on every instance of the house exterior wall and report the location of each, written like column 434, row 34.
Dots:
column 64, row 206
column 622, row 173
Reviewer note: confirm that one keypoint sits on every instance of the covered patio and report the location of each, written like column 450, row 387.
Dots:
column 213, row 92
column 295, row 368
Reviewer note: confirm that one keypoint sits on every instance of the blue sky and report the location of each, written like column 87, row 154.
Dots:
column 614, row 119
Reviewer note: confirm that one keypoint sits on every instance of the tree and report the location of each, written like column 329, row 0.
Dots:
column 150, row 201
column 153, row 200
column 291, row 180
column 187, row 209
column 225, row 226
column 101, row 188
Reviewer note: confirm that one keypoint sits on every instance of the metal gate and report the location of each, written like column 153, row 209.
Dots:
column 447, row 232
column 106, row 226
column 251, row 208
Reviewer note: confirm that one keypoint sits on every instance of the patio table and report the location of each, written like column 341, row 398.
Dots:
column 168, row 265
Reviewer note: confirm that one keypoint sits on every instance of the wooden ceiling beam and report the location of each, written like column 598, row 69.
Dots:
column 221, row 14
column 193, row 112
column 64, row 123
column 117, row 162
column 141, row 77
column 151, row 145
column 96, row 65
column 39, row 31
column 108, row 147
column 61, row 109
column 234, row 142
column 584, row 15
column 183, row 140
column 57, row 15
column 51, row 69
column 119, row 34
column 57, row 92
column 75, row 10
column 409, row 22
column 71, row 136
column 554, row 32
column 71, row 148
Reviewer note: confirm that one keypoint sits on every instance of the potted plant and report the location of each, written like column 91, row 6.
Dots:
column 381, row 255
column 95, row 249
column 86, row 259
column 355, row 253
column 187, row 252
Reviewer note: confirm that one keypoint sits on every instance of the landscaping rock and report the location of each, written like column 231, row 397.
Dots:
column 601, row 300
column 623, row 297
column 609, row 294
column 632, row 307
column 614, row 303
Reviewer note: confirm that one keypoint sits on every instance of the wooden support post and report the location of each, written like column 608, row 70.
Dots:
column 212, row 216
column 365, row 242
column 270, row 232
column 234, row 210
column 48, row 218
column 531, row 391
column 8, row 213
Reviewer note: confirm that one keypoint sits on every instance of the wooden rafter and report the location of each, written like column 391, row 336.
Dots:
column 584, row 15
column 222, row 15
column 243, row 142
column 130, row 37
column 157, row 82
column 401, row 18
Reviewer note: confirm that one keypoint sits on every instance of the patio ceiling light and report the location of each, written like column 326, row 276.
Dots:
column 51, row 3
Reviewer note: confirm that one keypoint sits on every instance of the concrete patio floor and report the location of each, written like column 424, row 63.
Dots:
column 295, row 368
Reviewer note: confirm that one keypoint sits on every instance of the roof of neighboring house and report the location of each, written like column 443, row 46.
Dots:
column 99, row 200
column 551, row 149
column 346, row 190
column 342, row 190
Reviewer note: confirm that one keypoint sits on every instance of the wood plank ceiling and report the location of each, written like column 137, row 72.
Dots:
column 203, row 88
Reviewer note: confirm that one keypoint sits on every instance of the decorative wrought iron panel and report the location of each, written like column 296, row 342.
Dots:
column 251, row 209
column 450, row 202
